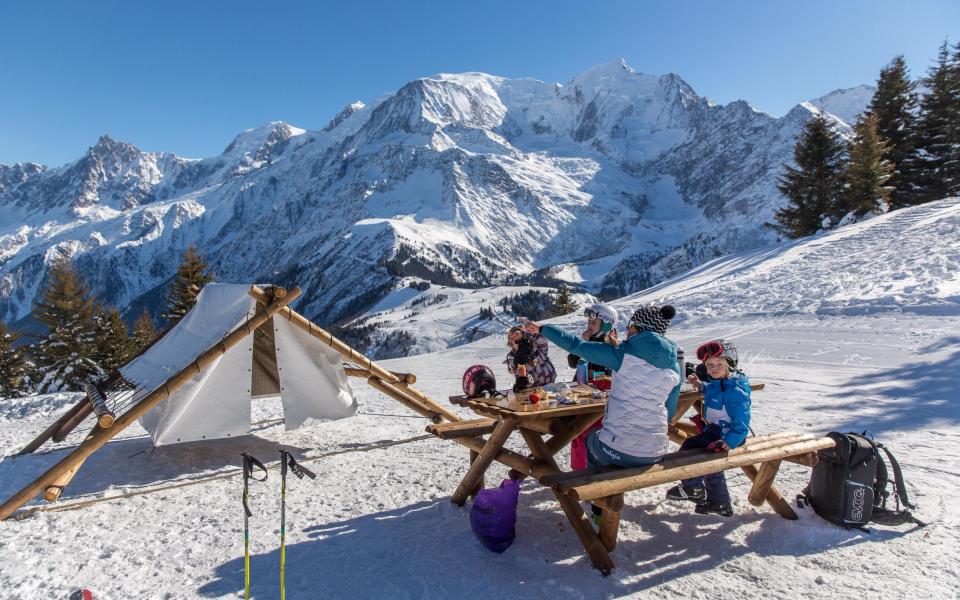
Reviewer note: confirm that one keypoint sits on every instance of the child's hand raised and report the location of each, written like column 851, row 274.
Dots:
column 695, row 382
column 530, row 326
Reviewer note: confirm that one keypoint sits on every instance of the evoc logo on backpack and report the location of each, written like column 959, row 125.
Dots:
column 848, row 486
column 856, row 512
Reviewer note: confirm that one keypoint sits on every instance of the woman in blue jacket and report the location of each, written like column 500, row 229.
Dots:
column 726, row 417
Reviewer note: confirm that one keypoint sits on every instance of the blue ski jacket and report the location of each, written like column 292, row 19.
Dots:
column 726, row 402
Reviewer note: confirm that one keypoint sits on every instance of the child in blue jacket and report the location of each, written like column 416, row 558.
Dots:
column 726, row 416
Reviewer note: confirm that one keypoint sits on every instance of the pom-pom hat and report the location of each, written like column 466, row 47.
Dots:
column 653, row 318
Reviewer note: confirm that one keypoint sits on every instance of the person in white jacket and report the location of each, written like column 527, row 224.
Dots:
column 644, row 390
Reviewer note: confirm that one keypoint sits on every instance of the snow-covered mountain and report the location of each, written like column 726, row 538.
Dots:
column 614, row 181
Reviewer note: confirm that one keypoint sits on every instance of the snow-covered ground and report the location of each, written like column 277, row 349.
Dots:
column 857, row 329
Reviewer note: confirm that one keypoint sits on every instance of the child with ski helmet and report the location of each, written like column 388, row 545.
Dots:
column 528, row 359
column 601, row 327
column 725, row 422
column 644, row 391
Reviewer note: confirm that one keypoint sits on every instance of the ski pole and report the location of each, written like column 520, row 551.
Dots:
column 286, row 459
column 249, row 463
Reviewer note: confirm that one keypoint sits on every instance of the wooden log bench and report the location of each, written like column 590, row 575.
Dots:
column 606, row 486
column 459, row 429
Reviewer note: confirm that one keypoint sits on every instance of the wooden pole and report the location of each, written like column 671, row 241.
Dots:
column 487, row 454
column 774, row 498
column 70, row 424
column 762, row 482
column 53, row 491
column 139, row 409
column 356, row 357
column 405, row 400
column 49, row 431
column 609, row 526
column 365, row 374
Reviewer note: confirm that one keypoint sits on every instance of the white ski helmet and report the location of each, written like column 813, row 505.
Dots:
column 606, row 314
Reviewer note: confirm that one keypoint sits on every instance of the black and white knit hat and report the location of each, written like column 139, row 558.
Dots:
column 653, row 318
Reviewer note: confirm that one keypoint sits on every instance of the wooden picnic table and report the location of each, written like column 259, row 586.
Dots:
column 502, row 416
column 563, row 422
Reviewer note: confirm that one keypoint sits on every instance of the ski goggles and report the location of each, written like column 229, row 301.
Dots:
column 717, row 348
column 591, row 314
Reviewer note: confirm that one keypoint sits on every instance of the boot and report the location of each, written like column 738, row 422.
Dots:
column 683, row 492
column 717, row 508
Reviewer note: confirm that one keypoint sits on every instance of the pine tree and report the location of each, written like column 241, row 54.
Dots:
column 192, row 275
column 65, row 355
column 114, row 344
column 868, row 173
column 14, row 366
column 812, row 187
column 894, row 104
column 144, row 331
column 563, row 302
column 938, row 129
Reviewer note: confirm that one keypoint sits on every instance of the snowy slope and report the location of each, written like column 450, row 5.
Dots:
column 615, row 180
column 857, row 329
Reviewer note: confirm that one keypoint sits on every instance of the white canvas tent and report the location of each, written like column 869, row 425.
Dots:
column 307, row 374
column 196, row 382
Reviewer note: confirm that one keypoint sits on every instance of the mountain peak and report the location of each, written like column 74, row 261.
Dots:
column 251, row 141
column 846, row 103
column 348, row 111
column 107, row 147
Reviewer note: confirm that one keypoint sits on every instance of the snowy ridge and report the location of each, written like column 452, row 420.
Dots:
column 615, row 180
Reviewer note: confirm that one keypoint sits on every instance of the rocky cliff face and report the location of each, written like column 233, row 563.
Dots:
column 614, row 181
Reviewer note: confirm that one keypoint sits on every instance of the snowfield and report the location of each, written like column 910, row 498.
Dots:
column 857, row 329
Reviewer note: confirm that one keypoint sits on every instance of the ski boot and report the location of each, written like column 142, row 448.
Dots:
column 683, row 492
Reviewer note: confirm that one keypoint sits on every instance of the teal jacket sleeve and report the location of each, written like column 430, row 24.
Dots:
column 598, row 353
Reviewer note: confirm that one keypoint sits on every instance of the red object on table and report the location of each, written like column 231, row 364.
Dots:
column 534, row 398
column 602, row 384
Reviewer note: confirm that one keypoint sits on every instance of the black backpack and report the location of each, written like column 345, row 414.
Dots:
column 848, row 486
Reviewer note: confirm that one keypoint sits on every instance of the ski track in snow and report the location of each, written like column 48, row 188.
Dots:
column 379, row 523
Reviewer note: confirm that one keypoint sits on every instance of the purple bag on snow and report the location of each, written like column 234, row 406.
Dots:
column 493, row 515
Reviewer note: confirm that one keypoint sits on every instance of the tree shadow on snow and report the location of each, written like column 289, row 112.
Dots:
column 912, row 396
column 427, row 550
column 136, row 462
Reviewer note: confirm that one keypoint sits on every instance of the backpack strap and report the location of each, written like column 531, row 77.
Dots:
column 880, row 493
column 898, row 479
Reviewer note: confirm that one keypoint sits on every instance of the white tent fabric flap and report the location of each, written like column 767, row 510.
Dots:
column 216, row 402
column 312, row 381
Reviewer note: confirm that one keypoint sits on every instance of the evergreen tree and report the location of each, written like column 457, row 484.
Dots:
column 812, row 187
column 868, row 172
column 894, row 104
column 114, row 344
column 144, row 331
column 65, row 355
column 563, row 302
column 191, row 276
column 938, row 129
column 14, row 366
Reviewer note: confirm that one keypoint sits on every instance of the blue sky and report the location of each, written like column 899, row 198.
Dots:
column 187, row 76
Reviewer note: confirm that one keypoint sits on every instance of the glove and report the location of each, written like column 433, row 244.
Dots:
column 699, row 422
column 522, row 383
column 718, row 446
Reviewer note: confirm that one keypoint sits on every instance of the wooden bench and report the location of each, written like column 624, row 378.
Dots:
column 605, row 486
column 460, row 429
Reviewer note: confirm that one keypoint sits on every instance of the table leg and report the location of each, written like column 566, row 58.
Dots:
column 477, row 469
column 610, row 525
column 591, row 542
column 473, row 458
